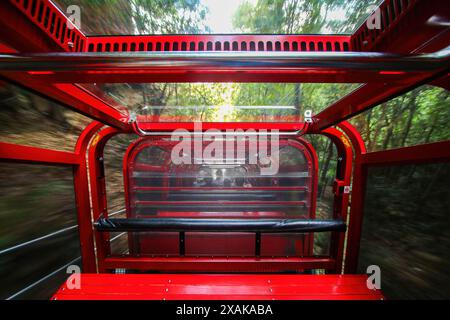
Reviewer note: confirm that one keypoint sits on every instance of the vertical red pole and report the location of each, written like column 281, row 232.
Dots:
column 313, row 186
column 127, row 167
column 81, row 188
column 357, row 199
column 98, row 191
column 340, row 205
column 356, row 217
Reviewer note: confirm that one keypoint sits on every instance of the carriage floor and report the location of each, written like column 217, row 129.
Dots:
column 218, row 287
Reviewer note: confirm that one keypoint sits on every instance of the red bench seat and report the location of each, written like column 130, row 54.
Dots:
column 219, row 287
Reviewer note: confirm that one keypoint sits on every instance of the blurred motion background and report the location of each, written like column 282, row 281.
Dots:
column 406, row 229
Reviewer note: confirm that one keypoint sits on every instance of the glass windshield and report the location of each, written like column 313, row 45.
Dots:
column 220, row 102
column 125, row 17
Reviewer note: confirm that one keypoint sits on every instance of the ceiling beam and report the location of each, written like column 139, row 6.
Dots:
column 415, row 26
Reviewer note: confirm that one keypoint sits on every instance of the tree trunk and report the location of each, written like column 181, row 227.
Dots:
column 388, row 136
column 323, row 175
column 432, row 127
column 412, row 110
column 367, row 127
column 298, row 99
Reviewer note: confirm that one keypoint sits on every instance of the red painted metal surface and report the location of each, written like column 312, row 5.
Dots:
column 20, row 153
column 341, row 191
column 312, row 68
column 6, row 49
column 39, row 26
column 412, row 28
column 250, row 42
column 424, row 153
column 236, row 75
column 82, row 198
column 98, row 190
column 43, row 25
column 220, row 287
column 406, row 25
column 354, row 136
column 73, row 97
column 357, row 196
column 219, row 264
column 214, row 244
column 365, row 97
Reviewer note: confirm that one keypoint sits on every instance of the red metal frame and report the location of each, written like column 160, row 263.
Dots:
column 134, row 149
column 218, row 264
column 81, row 186
column 20, row 153
column 409, row 30
column 41, row 23
column 425, row 153
column 407, row 27
column 413, row 14
column 98, row 190
column 75, row 98
column 249, row 42
column 121, row 73
column 357, row 194
column 341, row 195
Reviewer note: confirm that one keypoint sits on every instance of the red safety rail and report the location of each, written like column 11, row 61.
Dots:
column 219, row 43
column 219, row 287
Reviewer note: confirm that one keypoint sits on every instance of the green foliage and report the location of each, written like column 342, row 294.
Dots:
column 300, row 16
column 419, row 116
column 140, row 16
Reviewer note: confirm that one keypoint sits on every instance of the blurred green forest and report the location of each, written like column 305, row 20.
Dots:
column 420, row 116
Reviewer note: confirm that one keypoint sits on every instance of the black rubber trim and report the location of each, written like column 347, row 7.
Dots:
column 219, row 225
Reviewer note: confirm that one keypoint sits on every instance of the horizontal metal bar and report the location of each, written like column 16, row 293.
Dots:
column 424, row 153
column 117, row 237
column 27, row 243
column 116, row 212
column 200, row 107
column 219, row 264
column 144, row 133
column 222, row 189
column 144, row 207
column 170, row 60
column 218, row 225
column 42, row 279
column 222, row 126
column 20, row 153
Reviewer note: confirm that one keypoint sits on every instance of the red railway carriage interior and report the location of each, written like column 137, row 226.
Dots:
column 229, row 188
column 223, row 166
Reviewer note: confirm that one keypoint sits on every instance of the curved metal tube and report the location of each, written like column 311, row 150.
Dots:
column 221, row 59
column 134, row 124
